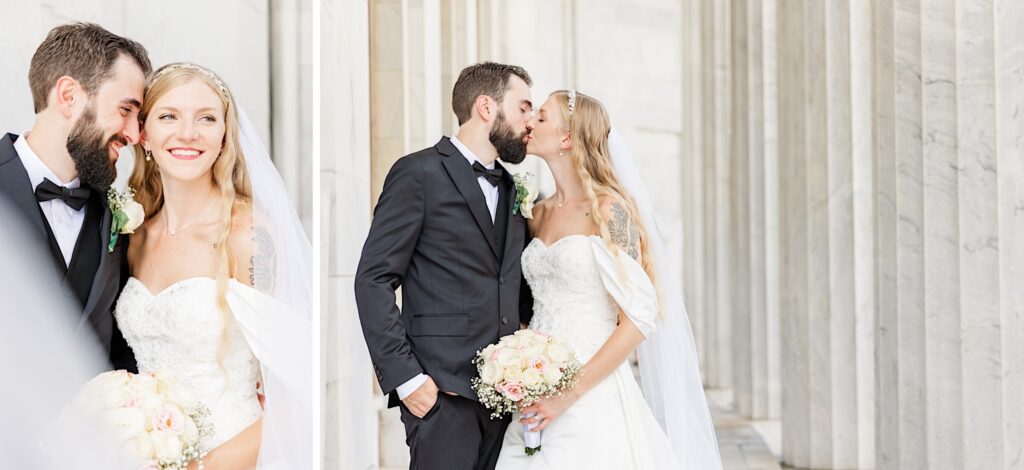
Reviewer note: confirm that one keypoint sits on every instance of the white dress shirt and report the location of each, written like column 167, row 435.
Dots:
column 491, row 196
column 490, row 191
column 65, row 222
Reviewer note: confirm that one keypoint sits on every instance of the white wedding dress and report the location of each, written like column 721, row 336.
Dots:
column 178, row 331
column 578, row 285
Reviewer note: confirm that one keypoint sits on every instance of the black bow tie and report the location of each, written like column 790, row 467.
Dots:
column 493, row 176
column 74, row 197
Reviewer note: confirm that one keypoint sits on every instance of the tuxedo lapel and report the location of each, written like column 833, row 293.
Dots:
column 16, row 186
column 509, row 198
column 105, row 274
column 465, row 180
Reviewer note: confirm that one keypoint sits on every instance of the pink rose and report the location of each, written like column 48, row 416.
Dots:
column 513, row 391
column 169, row 419
column 540, row 363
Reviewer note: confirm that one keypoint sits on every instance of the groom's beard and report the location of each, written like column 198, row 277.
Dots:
column 511, row 147
column 91, row 152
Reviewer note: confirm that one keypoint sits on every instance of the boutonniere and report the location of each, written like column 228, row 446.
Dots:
column 127, row 215
column 526, row 195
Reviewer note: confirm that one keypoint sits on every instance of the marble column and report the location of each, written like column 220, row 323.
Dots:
column 754, row 212
column 291, row 74
column 948, row 253
column 693, row 177
column 350, row 408
column 738, row 240
column 821, row 180
column 405, row 74
column 1009, row 147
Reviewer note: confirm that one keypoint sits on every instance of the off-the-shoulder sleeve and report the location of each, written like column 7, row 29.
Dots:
column 281, row 340
column 630, row 287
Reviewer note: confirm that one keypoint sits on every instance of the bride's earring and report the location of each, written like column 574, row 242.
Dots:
column 149, row 156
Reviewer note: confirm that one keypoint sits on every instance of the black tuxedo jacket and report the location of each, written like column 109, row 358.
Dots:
column 95, row 276
column 460, row 275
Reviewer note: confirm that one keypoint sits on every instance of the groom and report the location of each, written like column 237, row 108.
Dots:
column 87, row 86
column 444, row 231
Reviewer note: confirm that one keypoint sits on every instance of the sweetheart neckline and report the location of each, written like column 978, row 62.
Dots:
column 149, row 291
column 560, row 240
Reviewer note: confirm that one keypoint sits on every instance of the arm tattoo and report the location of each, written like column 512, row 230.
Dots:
column 623, row 232
column 263, row 264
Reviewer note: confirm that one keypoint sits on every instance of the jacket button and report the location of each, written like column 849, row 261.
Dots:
column 504, row 320
column 501, row 280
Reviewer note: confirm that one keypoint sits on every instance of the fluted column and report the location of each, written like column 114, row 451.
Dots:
column 754, row 211
column 826, row 354
column 291, row 73
column 350, row 409
column 405, row 80
column 1009, row 101
column 738, row 241
column 948, row 155
column 459, row 49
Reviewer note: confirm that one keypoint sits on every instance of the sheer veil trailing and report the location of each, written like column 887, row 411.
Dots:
column 669, row 369
column 279, row 328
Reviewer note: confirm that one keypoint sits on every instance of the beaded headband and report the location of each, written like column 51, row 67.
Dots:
column 572, row 101
column 186, row 65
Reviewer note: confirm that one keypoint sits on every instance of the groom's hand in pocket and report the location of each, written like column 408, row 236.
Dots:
column 423, row 399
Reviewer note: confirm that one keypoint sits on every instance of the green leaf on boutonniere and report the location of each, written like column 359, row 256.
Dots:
column 116, row 224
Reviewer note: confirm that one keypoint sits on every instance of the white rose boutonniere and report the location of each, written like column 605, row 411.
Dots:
column 526, row 195
column 127, row 214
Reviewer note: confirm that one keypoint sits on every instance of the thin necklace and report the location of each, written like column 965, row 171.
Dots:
column 560, row 204
column 167, row 220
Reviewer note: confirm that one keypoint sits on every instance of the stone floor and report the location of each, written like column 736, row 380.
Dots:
column 744, row 445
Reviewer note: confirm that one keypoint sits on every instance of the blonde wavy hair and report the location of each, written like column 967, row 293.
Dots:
column 230, row 175
column 589, row 127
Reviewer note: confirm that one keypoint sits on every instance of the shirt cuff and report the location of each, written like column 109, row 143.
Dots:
column 410, row 386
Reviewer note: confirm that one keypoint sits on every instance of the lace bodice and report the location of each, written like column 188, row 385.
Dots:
column 569, row 298
column 179, row 331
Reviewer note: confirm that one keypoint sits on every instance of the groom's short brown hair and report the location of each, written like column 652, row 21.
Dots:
column 485, row 78
column 83, row 51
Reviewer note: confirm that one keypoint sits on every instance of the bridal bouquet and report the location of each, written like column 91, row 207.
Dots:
column 156, row 420
column 521, row 369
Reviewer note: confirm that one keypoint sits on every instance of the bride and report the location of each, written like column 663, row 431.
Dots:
column 591, row 267
column 218, row 296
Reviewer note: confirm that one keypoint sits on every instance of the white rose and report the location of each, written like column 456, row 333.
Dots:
column 166, row 444
column 512, row 374
column 136, row 215
column 142, row 385
column 553, row 375
column 532, row 377
column 559, row 353
column 490, row 373
column 534, row 350
column 140, row 448
column 114, row 397
column 509, row 342
column 526, row 207
column 125, row 423
column 509, row 358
